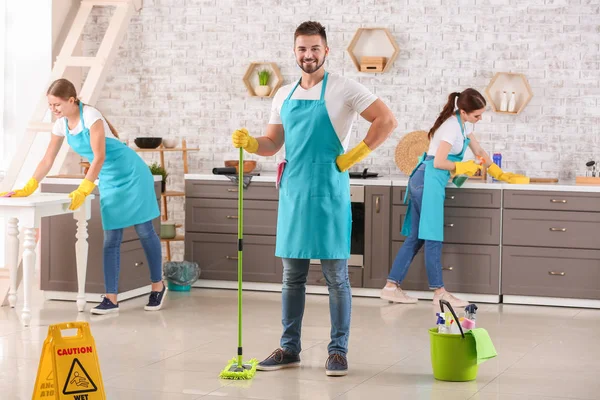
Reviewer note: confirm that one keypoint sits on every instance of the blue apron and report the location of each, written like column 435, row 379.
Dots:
column 126, row 185
column 315, row 216
column 431, row 224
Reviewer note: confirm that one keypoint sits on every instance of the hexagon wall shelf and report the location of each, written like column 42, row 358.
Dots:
column 375, row 43
column 509, row 82
column 251, row 78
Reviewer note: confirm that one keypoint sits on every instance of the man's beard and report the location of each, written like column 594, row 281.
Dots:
column 310, row 69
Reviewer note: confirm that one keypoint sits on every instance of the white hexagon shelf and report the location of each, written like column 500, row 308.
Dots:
column 251, row 79
column 508, row 82
column 373, row 50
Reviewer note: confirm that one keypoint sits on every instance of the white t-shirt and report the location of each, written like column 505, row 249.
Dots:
column 344, row 99
column 449, row 132
column 90, row 115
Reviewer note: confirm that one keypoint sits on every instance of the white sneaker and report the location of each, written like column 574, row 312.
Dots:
column 449, row 297
column 396, row 295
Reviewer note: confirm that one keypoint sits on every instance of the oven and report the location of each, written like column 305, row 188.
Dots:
column 357, row 237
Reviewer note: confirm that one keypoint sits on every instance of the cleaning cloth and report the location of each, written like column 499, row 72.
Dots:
column 483, row 344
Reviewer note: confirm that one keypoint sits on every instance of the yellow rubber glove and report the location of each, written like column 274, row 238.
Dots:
column 495, row 171
column 78, row 196
column 241, row 138
column 468, row 168
column 30, row 187
column 508, row 177
column 345, row 161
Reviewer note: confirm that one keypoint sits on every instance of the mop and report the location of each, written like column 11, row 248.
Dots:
column 237, row 369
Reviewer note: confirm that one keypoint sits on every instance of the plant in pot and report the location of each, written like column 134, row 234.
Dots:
column 156, row 169
column 263, row 80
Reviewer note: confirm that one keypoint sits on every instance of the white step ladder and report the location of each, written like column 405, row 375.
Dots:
column 90, row 90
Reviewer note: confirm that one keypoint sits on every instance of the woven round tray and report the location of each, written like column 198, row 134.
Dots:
column 409, row 149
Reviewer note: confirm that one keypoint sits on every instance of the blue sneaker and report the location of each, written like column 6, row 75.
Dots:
column 336, row 365
column 106, row 307
column 156, row 300
column 279, row 359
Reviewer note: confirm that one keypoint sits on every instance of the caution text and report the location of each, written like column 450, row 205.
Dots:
column 74, row 351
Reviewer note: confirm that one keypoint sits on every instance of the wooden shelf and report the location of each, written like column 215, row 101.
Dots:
column 170, row 193
column 178, row 238
column 251, row 78
column 508, row 82
column 373, row 42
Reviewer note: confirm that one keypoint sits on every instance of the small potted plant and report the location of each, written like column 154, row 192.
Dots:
column 156, row 169
column 263, row 80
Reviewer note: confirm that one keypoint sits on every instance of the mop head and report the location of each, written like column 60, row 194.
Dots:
column 235, row 371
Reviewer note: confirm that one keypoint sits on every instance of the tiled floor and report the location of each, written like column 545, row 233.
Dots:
column 177, row 353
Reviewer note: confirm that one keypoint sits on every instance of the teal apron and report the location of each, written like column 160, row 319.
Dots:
column 127, row 195
column 315, row 217
column 431, row 224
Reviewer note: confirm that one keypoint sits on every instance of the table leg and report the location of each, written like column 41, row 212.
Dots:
column 28, row 266
column 81, row 252
column 12, row 254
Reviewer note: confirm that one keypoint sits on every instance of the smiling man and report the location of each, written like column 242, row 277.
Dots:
column 313, row 118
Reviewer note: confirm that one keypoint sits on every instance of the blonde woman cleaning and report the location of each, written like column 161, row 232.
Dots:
column 126, row 186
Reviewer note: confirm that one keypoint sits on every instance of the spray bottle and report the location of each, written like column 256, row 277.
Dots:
column 459, row 180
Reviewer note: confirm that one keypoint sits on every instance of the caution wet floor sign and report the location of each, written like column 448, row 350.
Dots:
column 69, row 367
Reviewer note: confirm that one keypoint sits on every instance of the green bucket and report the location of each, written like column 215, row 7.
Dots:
column 453, row 356
column 178, row 288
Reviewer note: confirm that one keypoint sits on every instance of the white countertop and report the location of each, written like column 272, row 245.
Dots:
column 77, row 181
column 565, row 186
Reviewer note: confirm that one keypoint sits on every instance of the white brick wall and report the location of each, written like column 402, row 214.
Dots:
column 179, row 72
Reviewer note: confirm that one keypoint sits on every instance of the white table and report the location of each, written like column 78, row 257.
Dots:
column 25, row 213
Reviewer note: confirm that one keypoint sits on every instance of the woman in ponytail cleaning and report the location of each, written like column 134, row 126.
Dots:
column 127, row 196
column 424, row 221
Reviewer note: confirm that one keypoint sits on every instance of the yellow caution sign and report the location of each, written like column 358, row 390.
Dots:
column 69, row 367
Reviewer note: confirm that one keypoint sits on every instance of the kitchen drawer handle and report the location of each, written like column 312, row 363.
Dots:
column 447, row 268
column 449, row 225
column 558, row 201
column 231, row 258
column 558, row 229
column 232, row 190
column 139, row 264
column 556, row 273
column 451, row 197
column 377, row 204
column 232, row 217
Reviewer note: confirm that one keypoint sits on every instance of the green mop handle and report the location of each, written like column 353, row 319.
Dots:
column 240, row 249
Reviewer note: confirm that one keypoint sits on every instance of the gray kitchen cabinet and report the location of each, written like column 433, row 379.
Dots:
column 377, row 236
column 211, row 224
column 217, row 256
column 568, row 229
column 465, row 268
column 461, row 225
column 549, row 244
column 59, row 267
column 471, row 252
column 221, row 216
column 551, row 272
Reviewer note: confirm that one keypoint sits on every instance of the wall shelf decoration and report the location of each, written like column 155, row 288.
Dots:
column 508, row 82
column 251, row 78
column 373, row 50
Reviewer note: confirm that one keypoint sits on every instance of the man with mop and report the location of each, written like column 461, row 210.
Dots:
column 313, row 118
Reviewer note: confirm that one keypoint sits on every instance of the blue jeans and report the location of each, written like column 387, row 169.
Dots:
column 412, row 244
column 293, row 294
column 112, row 254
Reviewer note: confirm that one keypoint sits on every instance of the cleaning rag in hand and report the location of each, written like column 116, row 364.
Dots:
column 483, row 344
